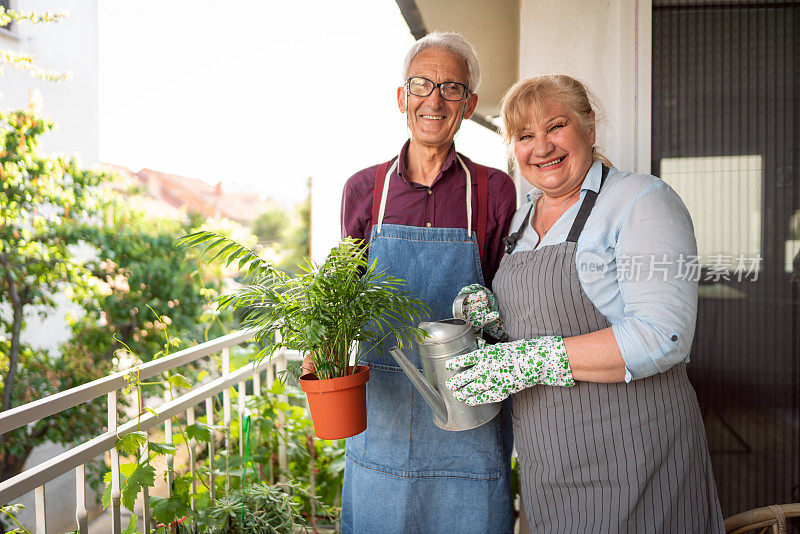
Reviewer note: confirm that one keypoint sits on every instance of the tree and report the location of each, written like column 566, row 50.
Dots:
column 152, row 292
column 271, row 226
column 43, row 199
column 133, row 284
column 288, row 232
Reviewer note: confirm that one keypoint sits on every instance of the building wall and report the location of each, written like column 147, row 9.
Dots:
column 68, row 45
column 605, row 44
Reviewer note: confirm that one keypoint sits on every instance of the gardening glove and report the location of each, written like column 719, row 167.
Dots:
column 504, row 368
column 478, row 305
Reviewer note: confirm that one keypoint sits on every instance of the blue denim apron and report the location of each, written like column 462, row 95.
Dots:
column 405, row 474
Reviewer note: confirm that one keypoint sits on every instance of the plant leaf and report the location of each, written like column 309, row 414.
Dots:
column 130, row 443
column 143, row 475
column 162, row 448
column 199, row 432
column 179, row 381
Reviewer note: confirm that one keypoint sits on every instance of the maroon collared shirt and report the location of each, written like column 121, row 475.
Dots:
column 442, row 205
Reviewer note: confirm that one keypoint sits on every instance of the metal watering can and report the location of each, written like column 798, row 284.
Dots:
column 446, row 339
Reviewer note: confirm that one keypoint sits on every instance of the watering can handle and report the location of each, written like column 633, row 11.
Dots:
column 458, row 306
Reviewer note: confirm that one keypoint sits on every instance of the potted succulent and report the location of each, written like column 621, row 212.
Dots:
column 334, row 312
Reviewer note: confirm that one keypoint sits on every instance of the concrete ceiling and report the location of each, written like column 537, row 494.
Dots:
column 493, row 29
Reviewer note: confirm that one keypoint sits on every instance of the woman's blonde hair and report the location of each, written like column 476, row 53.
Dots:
column 572, row 94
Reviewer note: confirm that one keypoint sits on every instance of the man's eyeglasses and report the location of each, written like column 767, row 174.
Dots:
column 452, row 91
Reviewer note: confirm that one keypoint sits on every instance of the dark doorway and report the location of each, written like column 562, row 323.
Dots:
column 726, row 134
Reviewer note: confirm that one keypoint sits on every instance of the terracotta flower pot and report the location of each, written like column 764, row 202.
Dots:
column 338, row 405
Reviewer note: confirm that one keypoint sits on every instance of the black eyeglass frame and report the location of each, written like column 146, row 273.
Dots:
column 437, row 86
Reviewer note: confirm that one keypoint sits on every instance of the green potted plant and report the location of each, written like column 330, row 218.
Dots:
column 334, row 312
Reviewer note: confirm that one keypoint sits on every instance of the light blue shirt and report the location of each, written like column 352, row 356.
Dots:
column 637, row 262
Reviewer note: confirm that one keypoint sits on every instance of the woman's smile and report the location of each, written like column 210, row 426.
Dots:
column 551, row 163
column 554, row 150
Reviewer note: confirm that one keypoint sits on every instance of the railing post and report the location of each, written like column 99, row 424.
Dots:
column 170, row 458
column 283, row 463
column 257, row 393
column 242, row 401
column 270, row 374
column 41, row 511
column 116, row 495
column 144, row 456
column 192, row 458
column 81, row 514
column 268, row 384
column 226, row 415
column 312, row 476
column 256, row 382
column 211, row 443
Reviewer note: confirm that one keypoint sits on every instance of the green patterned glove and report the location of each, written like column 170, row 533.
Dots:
column 499, row 370
column 478, row 305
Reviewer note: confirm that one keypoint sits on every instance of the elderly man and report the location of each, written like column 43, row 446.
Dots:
column 435, row 219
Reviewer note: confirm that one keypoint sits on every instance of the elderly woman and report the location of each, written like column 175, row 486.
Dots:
column 600, row 315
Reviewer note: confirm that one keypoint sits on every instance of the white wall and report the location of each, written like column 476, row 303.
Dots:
column 604, row 44
column 68, row 45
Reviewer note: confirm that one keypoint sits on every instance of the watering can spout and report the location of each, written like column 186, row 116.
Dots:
column 428, row 392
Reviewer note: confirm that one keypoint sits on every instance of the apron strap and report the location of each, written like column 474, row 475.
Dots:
column 381, row 192
column 586, row 210
column 483, row 207
column 380, row 176
column 511, row 240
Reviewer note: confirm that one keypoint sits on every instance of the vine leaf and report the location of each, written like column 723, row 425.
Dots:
column 130, row 443
column 144, row 475
column 180, row 381
column 198, row 431
column 162, row 448
column 132, row 524
column 167, row 509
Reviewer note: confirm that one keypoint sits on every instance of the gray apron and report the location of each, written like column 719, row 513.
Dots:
column 600, row 457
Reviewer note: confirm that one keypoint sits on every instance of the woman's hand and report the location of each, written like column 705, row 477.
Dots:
column 478, row 305
column 499, row 370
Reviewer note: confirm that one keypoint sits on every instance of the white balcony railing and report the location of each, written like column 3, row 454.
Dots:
column 35, row 478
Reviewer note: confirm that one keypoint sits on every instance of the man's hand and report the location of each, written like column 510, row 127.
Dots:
column 308, row 365
column 478, row 305
column 499, row 370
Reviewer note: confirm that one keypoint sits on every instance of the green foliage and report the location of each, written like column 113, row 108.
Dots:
column 300, row 234
column 41, row 375
column 286, row 422
column 143, row 475
column 179, row 381
column 255, row 509
column 130, row 443
column 167, row 510
column 325, row 311
column 278, row 420
column 151, row 291
column 10, row 512
column 287, row 233
column 271, row 226
column 41, row 201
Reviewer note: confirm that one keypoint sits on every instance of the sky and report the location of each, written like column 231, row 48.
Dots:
column 258, row 95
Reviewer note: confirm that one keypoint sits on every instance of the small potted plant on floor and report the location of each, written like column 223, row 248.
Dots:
column 330, row 312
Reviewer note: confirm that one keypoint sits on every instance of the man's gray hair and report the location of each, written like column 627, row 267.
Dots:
column 455, row 43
